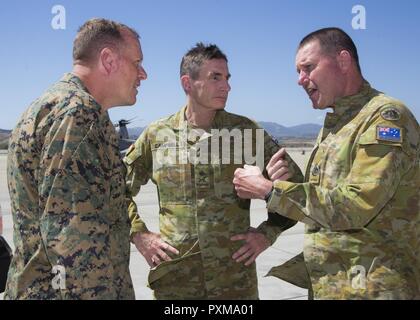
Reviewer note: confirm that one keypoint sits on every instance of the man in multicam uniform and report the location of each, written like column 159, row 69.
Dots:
column 206, row 248
column 66, row 178
column 360, row 198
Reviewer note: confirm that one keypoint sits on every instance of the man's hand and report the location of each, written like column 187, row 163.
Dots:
column 256, row 243
column 153, row 248
column 250, row 183
column 278, row 167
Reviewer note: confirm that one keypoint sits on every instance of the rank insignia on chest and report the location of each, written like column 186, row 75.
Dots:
column 388, row 134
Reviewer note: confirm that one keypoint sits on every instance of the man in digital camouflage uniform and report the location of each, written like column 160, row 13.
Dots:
column 360, row 198
column 66, row 178
column 206, row 248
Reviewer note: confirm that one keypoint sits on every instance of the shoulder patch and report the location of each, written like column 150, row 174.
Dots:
column 391, row 114
column 388, row 134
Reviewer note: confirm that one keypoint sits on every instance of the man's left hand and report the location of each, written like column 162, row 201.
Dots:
column 256, row 243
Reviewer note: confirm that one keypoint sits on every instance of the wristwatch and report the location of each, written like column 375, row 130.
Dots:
column 267, row 197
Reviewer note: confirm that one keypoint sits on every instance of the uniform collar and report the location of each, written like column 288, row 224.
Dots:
column 180, row 119
column 347, row 107
column 342, row 105
column 75, row 80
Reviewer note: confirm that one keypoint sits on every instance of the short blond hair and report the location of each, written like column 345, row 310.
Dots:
column 97, row 34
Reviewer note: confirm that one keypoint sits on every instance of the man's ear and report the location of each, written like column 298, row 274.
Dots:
column 108, row 60
column 344, row 60
column 186, row 83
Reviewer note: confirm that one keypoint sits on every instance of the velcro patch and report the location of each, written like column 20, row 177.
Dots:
column 391, row 114
column 388, row 134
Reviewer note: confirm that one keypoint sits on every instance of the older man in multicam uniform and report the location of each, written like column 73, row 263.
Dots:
column 206, row 248
column 360, row 199
column 66, row 178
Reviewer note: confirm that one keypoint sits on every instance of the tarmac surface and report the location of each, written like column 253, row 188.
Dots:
column 287, row 245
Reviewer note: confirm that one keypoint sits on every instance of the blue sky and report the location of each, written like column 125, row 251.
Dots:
column 258, row 36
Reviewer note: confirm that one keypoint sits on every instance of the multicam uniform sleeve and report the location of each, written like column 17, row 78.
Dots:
column 276, row 224
column 138, row 161
column 375, row 173
column 75, row 221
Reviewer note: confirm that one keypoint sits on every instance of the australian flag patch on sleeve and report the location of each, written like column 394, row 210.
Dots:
column 388, row 134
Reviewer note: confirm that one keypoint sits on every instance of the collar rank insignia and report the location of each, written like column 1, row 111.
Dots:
column 391, row 114
column 388, row 134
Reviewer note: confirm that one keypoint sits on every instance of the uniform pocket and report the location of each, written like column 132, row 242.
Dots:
column 172, row 174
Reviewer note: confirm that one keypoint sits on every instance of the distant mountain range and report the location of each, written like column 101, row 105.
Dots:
column 308, row 130
column 4, row 132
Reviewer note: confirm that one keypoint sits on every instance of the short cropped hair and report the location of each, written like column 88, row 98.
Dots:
column 332, row 41
column 194, row 58
column 95, row 35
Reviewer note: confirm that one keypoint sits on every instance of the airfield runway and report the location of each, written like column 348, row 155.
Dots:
column 270, row 288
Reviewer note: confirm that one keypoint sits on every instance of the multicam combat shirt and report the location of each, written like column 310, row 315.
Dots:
column 360, row 201
column 199, row 208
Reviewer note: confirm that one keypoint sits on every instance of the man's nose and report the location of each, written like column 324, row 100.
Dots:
column 303, row 78
column 226, row 86
column 142, row 73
